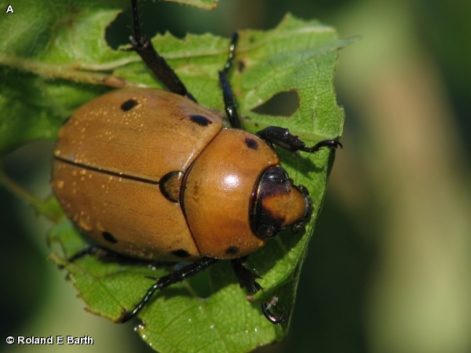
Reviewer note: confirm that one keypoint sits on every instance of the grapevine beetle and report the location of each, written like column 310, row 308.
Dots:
column 153, row 175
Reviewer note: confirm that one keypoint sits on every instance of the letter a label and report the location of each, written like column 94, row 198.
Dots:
column 9, row 9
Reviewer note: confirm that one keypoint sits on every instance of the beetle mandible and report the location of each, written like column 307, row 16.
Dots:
column 153, row 175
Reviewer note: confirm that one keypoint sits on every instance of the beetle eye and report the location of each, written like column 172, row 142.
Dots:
column 275, row 179
column 277, row 176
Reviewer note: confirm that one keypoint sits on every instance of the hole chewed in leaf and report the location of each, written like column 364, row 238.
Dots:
column 282, row 104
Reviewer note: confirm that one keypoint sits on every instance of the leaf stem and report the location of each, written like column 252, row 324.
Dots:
column 40, row 206
column 58, row 71
column 17, row 190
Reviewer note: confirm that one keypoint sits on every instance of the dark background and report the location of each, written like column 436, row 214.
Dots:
column 388, row 267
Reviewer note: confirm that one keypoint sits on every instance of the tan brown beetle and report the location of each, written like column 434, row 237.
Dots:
column 153, row 175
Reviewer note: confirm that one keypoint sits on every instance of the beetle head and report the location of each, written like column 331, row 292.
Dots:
column 278, row 204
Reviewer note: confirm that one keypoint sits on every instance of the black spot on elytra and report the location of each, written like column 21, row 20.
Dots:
column 232, row 250
column 128, row 105
column 200, row 120
column 251, row 143
column 180, row 253
column 109, row 237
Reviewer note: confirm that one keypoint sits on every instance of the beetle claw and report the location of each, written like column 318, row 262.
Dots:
column 124, row 317
column 273, row 312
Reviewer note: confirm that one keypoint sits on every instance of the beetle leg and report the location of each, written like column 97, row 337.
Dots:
column 247, row 278
column 101, row 252
column 230, row 104
column 273, row 312
column 89, row 250
column 156, row 63
column 285, row 139
column 162, row 282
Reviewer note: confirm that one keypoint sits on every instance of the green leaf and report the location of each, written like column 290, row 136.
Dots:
column 55, row 64
column 49, row 40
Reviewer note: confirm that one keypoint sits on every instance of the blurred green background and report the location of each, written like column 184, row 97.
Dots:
column 389, row 268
